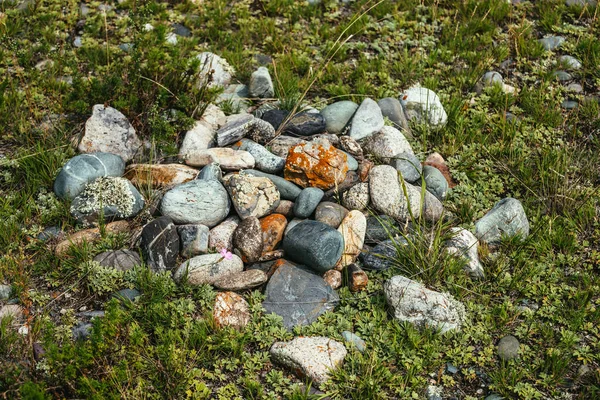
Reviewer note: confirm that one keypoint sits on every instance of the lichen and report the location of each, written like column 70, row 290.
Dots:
column 106, row 191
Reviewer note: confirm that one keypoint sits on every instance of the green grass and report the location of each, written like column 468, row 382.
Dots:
column 165, row 344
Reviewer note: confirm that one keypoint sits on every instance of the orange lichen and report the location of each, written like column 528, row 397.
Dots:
column 272, row 227
column 316, row 164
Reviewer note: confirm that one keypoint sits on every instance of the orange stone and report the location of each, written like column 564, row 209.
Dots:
column 159, row 175
column 231, row 310
column 333, row 278
column 364, row 168
column 357, row 278
column 316, row 164
column 90, row 235
column 272, row 227
column 437, row 161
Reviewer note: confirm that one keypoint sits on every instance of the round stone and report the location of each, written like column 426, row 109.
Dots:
column 330, row 213
column 307, row 202
column 408, row 165
column 357, row 197
column 508, row 348
column 252, row 196
column 314, row 244
column 337, row 115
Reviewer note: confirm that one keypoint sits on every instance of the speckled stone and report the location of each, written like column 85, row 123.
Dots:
column 252, row 196
column 287, row 190
column 196, row 202
column 264, row 160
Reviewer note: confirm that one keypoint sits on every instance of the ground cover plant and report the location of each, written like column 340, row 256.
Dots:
column 534, row 139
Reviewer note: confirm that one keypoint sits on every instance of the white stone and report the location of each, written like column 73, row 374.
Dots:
column 423, row 105
column 464, row 244
column 214, row 70
column 385, row 192
column 227, row 158
column 196, row 140
column 357, row 197
column 208, row 268
column 353, row 228
column 386, row 143
column 221, row 236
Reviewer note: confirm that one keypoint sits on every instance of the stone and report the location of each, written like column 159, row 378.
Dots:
column 210, row 172
column 386, row 194
column 351, row 161
column 221, row 236
column 314, row 244
column 231, row 310
column 424, row 106
column 408, row 165
column 261, row 84
column 433, row 209
column 264, row 160
column 298, row 295
column 201, row 137
column 412, row 302
column 248, row 240
column 380, row 228
column 5, row 292
column 337, row 115
column 268, row 267
column 50, row 233
column 208, row 268
column 213, row 117
column 464, row 244
column 252, row 196
column 311, row 357
column 581, row 3
column 286, row 208
column 126, row 295
column 244, row 280
column 367, row 120
column 287, row 190
column 245, row 125
column 193, row 239
column 351, row 147
column 382, row 256
column 292, row 224
column 160, row 244
column 171, row 38
column 569, row 104
column 508, row 348
column 562, row 76
column 330, row 213
column 275, row 117
column 386, row 143
column 357, row 278
column 109, row 198
column 355, row 340
column 13, row 311
column 82, row 331
column 83, row 169
column 272, row 227
column 551, row 42
column 434, row 392
column 235, row 97
column 305, row 123
column 227, row 158
column 109, row 131
column 307, row 202
column 435, row 182
column 333, row 277
column 413, row 197
column 281, row 145
column 90, row 236
column 489, row 79
column 392, row 109
column 316, row 164
column 437, row 161
column 353, row 229
column 159, row 175
column 122, row 260
column 196, row 202
column 214, row 70
column 181, row 30
column 357, row 197
column 364, row 168
column 506, row 218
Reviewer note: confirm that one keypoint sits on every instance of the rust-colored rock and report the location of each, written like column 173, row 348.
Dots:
column 159, row 175
column 316, row 164
column 90, row 235
column 272, row 227
column 333, row 278
column 231, row 310
column 364, row 167
column 357, row 278
column 437, row 161
column 271, row 255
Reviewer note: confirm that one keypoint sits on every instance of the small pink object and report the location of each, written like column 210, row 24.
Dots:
column 226, row 254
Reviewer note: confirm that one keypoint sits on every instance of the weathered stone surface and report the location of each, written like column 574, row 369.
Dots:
column 160, row 244
column 214, row 70
column 264, row 160
column 412, row 302
column 435, row 182
column 272, row 226
column 392, row 109
column 227, row 158
column 5, row 292
column 317, row 164
column 14, row 311
column 281, row 145
column 221, row 236
column 367, row 120
column 236, row 128
column 314, row 244
column 247, row 239
column 464, row 244
column 307, row 202
column 213, row 117
column 570, row 62
column 193, row 239
column 275, row 117
column 208, row 268
column 241, row 280
column 408, row 165
column 231, row 310
column 352, row 229
column 90, row 235
column 351, row 161
column 305, row 123
column 109, row 131
column 423, row 105
column 330, row 213
column 123, row 260
column 311, row 357
column 298, row 295
column 432, row 210
column 333, row 277
column 386, row 194
column 337, row 115
column 159, row 175
column 287, row 190
column 508, row 348
column 357, row 278
column 269, row 267
column 386, row 143
column 507, row 217
column 285, row 208
column 252, row 196
column 381, row 257
column 83, row 169
column 357, row 197
column 261, row 84
column 201, row 137
column 351, row 146
column 126, row 295
column 196, row 202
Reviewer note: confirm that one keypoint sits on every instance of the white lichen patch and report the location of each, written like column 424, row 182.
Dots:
column 106, row 191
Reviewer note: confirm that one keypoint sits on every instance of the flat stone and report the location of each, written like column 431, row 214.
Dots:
column 214, row 70
column 240, row 281
column 314, row 244
column 181, row 30
column 247, row 239
column 227, row 158
column 210, row 172
column 357, row 278
column 310, row 357
column 287, row 190
column 281, row 145
column 273, row 227
column 412, row 302
column 196, row 202
column 159, row 175
column 392, row 109
column 221, row 236
column 298, row 295
column 355, row 340
column 508, row 348
column 464, row 244
column 330, row 214
column 231, row 310
column 357, row 197
column 337, row 115
column 367, row 120
column 193, row 239
column 552, row 42
column 506, row 218
column 386, row 194
column 123, row 260
column 386, row 143
column 252, row 196
column 90, row 236
column 305, row 124
column 236, row 128
column 160, row 244
column 264, row 160
column 408, row 165
column 109, row 131
column 353, row 229
column 435, row 182
column 562, row 76
column 261, row 84
column 307, row 202
column 83, row 169
column 423, row 105
column 333, row 277
column 208, row 268
column 380, row 228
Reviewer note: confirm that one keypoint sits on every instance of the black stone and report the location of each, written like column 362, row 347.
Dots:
column 275, row 117
column 314, row 244
column 379, row 228
column 381, row 257
column 160, row 244
column 306, row 124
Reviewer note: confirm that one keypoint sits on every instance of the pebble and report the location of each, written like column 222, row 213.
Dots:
column 122, row 260
column 386, row 143
column 248, row 240
column 181, row 30
column 286, row 208
column 307, row 201
column 82, row 331
column 241, row 281
column 570, row 62
column 562, row 76
column 208, row 268
column 50, row 233
column 221, row 236
column 351, row 147
column 231, row 310
column 357, row 278
column 209, row 172
column 353, row 229
column 287, row 190
column 227, row 158
column 337, row 115
column 574, row 87
column 264, row 160
column 305, row 123
column 314, row 244
column 464, row 244
column 392, row 109
column 423, row 105
column 193, row 239
column 261, row 84
column 214, row 70
column 14, row 311
column 355, row 340
column 435, row 182
column 160, row 244
column 159, row 175
column 196, row 202
column 273, row 227
column 569, row 104
column 506, row 218
column 367, row 120
column 333, row 277
column 386, row 194
column 357, row 197
column 275, row 117
column 330, row 214
column 408, row 165
column 552, row 42
column 508, row 348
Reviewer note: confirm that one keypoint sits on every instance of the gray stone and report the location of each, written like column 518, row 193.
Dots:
column 386, row 143
column 292, row 224
column 355, row 340
column 82, row 331
column 570, row 62
column 193, row 239
column 491, row 78
column 351, row 147
column 552, row 42
column 451, row 369
column 562, row 76
column 196, row 202
column 242, row 280
column 261, row 84
column 126, row 294
column 412, row 302
column 569, row 104
column 351, row 161
column 210, row 172
column 307, row 202
column 126, row 47
column 221, row 236
column 305, row 123
column 50, row 233
column 160, row 244
column 392, row 109
column 314, row 244
column 208, row 268
column 330, row 213
column 357, row 197
column 265, row 161
column 495, row 396
column 287, row 190
column 311, row 357
column 380, row 228
column 367, row 120
column 214, row 70
column 77, row 42
column 574, row 87
column 298, row 295
column 423, row 105
column 508, row 348
column 337, row 115
column 109, row 131
column 464, row 244
column 83, row 169
column 386, row 194
column 5, row 292
column 181, row 30
column 435, row 182
column 581, row 3
column 408, row 165
column 248, row 239
column 382, row 256
column 123, row 260
column 506, row 218
column 280, row 146
column 252, row 196
column 236, row 128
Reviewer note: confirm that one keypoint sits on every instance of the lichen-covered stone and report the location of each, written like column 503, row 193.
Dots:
column 221, row 236
column 273, row 227
column 208, row 268
column 196, row 202
column 159, row 175
column 231, row 310
column 90, row 235
column 252, row 196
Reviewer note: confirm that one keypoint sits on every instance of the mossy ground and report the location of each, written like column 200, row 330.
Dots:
column 165, row 345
